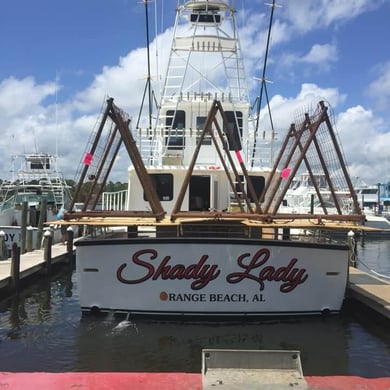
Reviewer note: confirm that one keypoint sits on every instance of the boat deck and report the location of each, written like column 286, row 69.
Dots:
column 246, row 225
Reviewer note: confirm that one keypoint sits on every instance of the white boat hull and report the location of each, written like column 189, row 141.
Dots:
column 13, row 234
column 213, row 276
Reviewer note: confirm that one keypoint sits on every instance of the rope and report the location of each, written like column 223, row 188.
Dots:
column 371, row 270
column 381, row 275
column 354, row 258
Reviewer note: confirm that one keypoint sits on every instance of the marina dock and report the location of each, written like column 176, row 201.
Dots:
column 371, row 291
column 32, row 264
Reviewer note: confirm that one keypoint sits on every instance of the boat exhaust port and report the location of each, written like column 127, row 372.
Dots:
column 95, row 310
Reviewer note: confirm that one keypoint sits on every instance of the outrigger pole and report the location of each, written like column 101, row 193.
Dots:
column 148, row 79
column 263, row 86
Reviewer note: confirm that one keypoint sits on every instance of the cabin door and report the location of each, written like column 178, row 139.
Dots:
column 199, row 193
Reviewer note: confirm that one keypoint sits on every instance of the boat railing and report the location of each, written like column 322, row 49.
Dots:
column 163, row 145
column 217, row 229
column 260, row 155
column 7, row 203
column 114, row 200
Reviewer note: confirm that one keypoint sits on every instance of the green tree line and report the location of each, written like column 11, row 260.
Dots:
column 85, row 188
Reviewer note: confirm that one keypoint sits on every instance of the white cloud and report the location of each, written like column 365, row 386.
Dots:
column 321, row 54
column 286, row 109
column 359, row 130
column 366, row 149
column 127, row 80
column 379, row 89
column 306, row 16
column 320, row 58
column 22, row 96
column 27, row 120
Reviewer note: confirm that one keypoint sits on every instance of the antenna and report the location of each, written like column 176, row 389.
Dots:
column 263, row 86
column 148, row 79
column 156, row 35
column 56, row 112
column 35, row 142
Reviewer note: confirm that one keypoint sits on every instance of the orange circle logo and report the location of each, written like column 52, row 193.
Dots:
column 163, row 296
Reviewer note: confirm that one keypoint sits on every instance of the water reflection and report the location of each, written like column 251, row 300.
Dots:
column 35, row 302
column 166, row 346
column 374, row 256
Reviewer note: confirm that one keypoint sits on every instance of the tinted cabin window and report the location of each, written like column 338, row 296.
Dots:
column 199, row 193
column 258, row 183
column 174, row 135
column 369, row 191
column 205, row 18
column 233, row 130
column 163, row 183
column 40, row 164
column 200, row 122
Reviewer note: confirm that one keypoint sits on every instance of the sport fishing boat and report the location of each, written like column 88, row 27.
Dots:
column 315, row 197
column 196, row 233
column 39, row 186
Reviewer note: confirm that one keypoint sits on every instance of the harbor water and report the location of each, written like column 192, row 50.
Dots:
column 42, row 329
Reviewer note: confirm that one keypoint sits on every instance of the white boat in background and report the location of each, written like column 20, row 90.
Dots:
column 302, row 197
column 374, row 199
column 38, row 185
column 193, row 238
column 380, row 222
column 368, row 197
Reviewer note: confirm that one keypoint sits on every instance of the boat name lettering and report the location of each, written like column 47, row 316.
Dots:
column 9, row 237
column 201, row 272
column 290, row 275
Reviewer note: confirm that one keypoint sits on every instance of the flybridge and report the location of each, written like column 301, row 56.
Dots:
column 205, row 16
column 205, row 12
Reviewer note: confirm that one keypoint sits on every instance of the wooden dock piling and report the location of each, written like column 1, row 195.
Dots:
column 15, row 266
column 23, row 228
column 352, row 249
column 29, row 239
column 42, row 218
column 69, row 245
column 47, row 251
column 3, row 246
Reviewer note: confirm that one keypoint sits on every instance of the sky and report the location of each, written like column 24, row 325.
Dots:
column 60, row 60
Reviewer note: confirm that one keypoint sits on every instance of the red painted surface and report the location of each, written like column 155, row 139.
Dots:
column 347, row 383
column 158, row 381
column 100, row 381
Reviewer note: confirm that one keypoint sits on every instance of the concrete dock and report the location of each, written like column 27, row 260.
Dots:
column 371, row 291
column 31, row 264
